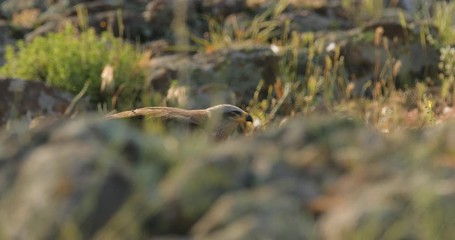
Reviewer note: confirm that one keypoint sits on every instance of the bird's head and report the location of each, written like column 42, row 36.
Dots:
column 229, row 117
column 230, row 113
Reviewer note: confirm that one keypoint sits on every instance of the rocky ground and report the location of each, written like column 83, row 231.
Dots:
column 318, row 177
column 352, row 136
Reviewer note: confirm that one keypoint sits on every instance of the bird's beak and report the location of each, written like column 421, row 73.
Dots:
column 243, row 122
column 248, row 118
column 245, row 117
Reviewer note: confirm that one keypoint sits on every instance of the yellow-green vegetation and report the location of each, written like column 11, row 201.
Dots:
column 326, row 86
column 363, row 9
column 447, row 75
column 70, row 58
column 259, row 30
column 444, row 20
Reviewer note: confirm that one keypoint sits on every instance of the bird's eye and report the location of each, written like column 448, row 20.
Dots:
column 232, row 114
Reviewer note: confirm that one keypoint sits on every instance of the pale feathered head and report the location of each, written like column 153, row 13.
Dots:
column 228, row 118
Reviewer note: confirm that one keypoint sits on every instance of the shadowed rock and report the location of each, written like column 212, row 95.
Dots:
column 21, row 99
column 312, row 177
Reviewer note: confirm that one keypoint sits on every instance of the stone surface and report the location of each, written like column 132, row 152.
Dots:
column 329, row 177
column 231, row 75
column 273, row 211
column 6, row 38
column 22, row 99
column 67, row 178
column 384, row 49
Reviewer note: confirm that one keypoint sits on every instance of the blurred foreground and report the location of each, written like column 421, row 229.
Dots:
column 316, row 177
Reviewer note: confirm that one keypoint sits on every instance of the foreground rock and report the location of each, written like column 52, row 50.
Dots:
column 312, row 178
column 74, row 178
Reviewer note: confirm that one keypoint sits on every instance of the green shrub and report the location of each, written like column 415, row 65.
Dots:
column 70, row 58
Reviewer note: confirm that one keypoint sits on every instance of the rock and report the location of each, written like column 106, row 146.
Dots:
column 34, row 18
column 220, row 9
column 9, row 7
column 413, row 6
column 189, row 190
column 236, row 71
column 387, row 204
column 411, row 60
column 307, row 21
column 164, row 69
column 201, row 97
column 6, row 38
column 312, row 177
column 194, row 186
column 22, row 99
column 267, row 212
column 105, row 15
column 69, row 179
column 260, row 5
column 159, row 15
column 43, row 121
column 311, row 173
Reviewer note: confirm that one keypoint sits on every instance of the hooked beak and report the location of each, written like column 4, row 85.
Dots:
column 243, row 122
column 245, row 117
column 248, row 118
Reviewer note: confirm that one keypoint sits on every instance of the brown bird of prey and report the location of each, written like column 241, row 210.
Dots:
column 225, row 118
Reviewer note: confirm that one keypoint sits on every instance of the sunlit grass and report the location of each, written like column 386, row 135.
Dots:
column 75, row 56
column 260, row 30
column 444, row 20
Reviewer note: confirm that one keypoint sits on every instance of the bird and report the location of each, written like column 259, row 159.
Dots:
column 224, row 119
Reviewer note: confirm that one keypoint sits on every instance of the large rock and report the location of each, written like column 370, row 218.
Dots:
column 22, row 99
column 386, row 51
column 222, row 74
column 326, row 177
column 294, row 153
column 273, row 211
column 79, row 177
column 336, row 173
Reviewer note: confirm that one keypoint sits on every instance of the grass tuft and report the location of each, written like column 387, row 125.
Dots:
column 71, row 58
